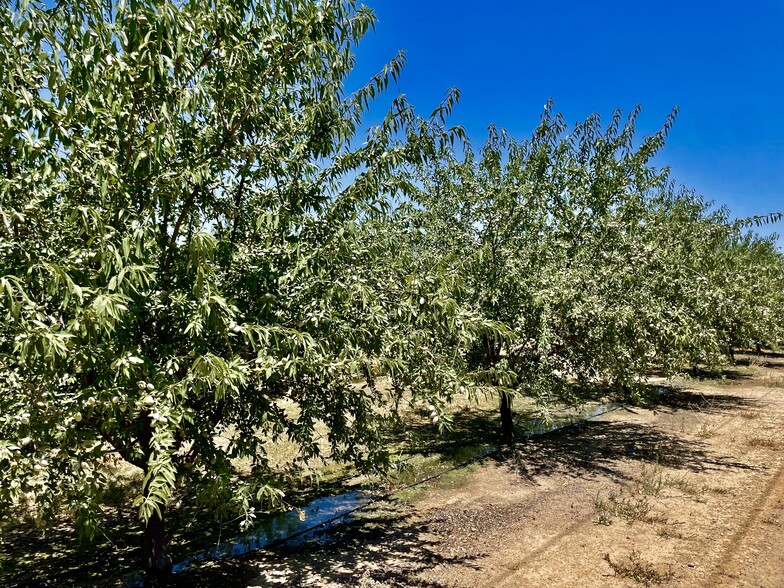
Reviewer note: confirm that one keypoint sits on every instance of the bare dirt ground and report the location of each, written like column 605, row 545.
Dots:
column 686, row 493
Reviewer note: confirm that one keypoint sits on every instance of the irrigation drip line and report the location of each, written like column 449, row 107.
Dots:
column 487, row 452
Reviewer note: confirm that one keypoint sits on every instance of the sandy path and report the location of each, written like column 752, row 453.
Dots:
column 689, row 493
column 754, row 556
column 709, row 469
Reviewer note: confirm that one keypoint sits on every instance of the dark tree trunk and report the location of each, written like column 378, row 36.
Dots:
column 492, row 353
column 156, row 559
column 731, row 351
column 157, row 562
column 507, row 427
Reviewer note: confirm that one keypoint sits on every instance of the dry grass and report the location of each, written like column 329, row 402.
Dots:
column 651, row 482
column 669, row 532
column 686, row 486
column 637, row 569
column 750, row 414
column 774, row 382
column 626, row 507
column 758, row 442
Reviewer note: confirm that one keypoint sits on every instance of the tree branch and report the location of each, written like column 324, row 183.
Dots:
column 237, row 204
column 186, row 209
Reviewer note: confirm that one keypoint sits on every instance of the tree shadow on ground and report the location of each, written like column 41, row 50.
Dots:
column 603, row 447
column 762, row 353
column 356, row 549
column 56, row 557
column 60, row 559
column 477, row 427
column 387, row 544
column 471, row 428
column 674, row 398
column 754, row 361
column 591, row 448
column 731, row 374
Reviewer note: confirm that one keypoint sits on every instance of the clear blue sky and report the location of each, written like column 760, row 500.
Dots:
column 721, row 62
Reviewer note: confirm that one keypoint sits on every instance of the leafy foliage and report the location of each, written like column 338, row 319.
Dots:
column 598, row 265
column 187, row 250
column 202, row 254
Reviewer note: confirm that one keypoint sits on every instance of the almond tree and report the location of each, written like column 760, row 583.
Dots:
column 597, row 265
column 181, row 253
column 529, row 226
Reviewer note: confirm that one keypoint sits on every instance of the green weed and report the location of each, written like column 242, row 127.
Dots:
column 651, row 482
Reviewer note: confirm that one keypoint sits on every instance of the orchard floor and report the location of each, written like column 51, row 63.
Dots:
column 688, row 492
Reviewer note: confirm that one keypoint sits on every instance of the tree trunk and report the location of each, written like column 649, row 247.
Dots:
column 731, row 351
column 507, row 427
column 156, row 560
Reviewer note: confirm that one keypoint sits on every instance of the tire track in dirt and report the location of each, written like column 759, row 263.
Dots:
column 730, row 568
column 774, row 490
column 750, row 532
column 500, row 579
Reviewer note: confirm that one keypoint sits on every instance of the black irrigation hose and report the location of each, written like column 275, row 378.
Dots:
column 489, row 451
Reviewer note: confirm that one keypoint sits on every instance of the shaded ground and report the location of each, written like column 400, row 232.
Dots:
column 54, row 556
column 687, row 492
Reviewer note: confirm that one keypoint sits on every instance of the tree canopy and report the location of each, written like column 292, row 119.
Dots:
column 204, row 250
column 599, row 265
column 186, row 249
